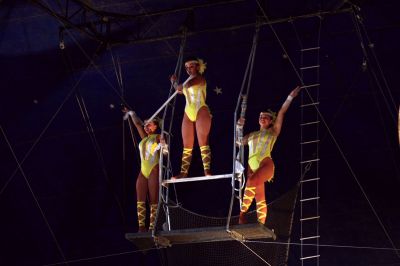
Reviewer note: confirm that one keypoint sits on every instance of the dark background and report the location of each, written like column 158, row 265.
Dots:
column 83, row 195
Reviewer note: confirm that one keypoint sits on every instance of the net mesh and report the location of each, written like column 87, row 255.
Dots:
column 280, row 213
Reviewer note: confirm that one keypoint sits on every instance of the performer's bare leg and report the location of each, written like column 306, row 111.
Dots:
column 153, row 195
column 141, row 191
column 203, row 126
column 255, row 182
column 188, row 142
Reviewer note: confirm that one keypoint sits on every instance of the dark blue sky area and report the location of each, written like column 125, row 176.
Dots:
column 66, row 192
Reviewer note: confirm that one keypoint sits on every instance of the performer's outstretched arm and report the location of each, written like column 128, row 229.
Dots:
column 276, row 129
column 136, row 121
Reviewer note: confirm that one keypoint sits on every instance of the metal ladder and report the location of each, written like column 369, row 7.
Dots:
column 309, row 144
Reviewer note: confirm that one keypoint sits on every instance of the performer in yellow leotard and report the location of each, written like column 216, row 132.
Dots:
column 197, row 115
column 147, row 180
column 261, row 166
column 195, row 99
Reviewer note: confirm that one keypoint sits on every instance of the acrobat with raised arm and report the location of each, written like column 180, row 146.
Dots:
column 147, row 180
column 260, row 164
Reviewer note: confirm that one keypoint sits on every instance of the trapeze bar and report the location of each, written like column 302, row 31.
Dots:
column 162, row 106
column 309, row 123
column 309, row 218
column 308, row 238
column 309, row 49
column 198, row 178
column 310, row 86
column 309, row 104
column 310, row 161
column 309, row 67
column 309, row 142
column 310, row 180
column 310, row 257
column 240, row 232
column 309, row 199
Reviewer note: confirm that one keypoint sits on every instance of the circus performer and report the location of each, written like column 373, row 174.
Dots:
column 197, row 117
column 147, row 180
column 260, row 164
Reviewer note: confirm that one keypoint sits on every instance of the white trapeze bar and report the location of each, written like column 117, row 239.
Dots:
column 168, row 100
column 198, row 178
column 162, row 106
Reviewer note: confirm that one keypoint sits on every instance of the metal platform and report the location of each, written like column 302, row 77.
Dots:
column 200, row 235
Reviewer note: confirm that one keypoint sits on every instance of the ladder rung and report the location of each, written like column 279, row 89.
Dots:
column 309, row 49
column 310, row 161
column 310, row 86
column 309, row 199
column 308, row 238
column 309, row 67
column 309, row 104
column 309, row 180
column 309, row 123
column 309, row 218
column 309, row 142
column 310, row 257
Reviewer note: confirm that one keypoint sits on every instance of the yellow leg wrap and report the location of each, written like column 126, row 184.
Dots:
column 206, row 156
column 141, row 213
column 261, row 211
column 186, row 160
column 153, row 211
column 248, row 197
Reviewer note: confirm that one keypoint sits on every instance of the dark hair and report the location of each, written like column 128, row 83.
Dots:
column 157, row 121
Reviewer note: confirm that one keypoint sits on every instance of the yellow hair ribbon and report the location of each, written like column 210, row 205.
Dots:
column 202, row 65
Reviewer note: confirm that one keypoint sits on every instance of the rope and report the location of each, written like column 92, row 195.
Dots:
column 333, row 138
column 164, row 197
column 322, row 245
column 102, row 256
column 247, row 77
column 358, row 18
column 92, row 135
column 34, row 197
column 118, row 75
column 386, row 101
column 27, row 154
column 255, row 253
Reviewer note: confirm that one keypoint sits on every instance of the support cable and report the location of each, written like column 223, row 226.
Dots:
column 27, row 154
column 96, row 146
column 335, row 141
column 19, row 163
column 371, row 46
column 252, row 251
column 356, row 20
column 103, row 256
column 163, row 195
column 238, row 132
column 93, row 138
column 323, row 245
column 118, row 76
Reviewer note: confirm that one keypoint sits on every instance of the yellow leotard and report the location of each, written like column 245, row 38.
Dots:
column 149, row 154
column 260, row 147
column 195, row 99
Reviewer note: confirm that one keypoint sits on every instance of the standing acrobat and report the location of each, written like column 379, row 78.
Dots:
column 197, row 117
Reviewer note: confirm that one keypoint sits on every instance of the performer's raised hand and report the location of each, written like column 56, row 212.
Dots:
column 295, row 92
